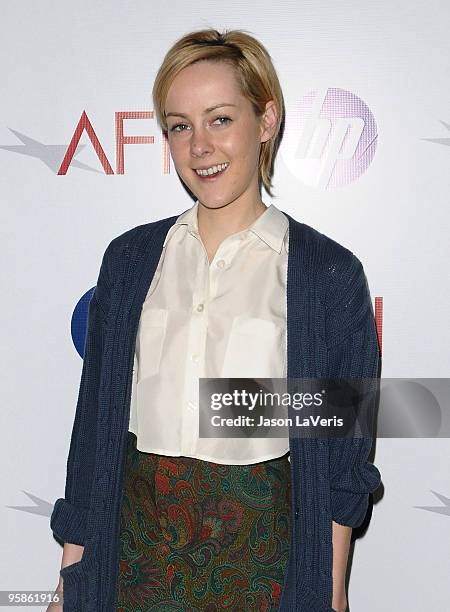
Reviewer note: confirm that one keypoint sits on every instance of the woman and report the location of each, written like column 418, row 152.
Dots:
column 155, row 517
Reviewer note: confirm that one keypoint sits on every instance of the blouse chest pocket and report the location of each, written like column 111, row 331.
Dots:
column 151, row 334
column 255, row 349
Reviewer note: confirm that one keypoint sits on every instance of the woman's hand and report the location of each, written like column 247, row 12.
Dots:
column 339, row 603
column 56, row 606
column 339, row 598
column 341, row 545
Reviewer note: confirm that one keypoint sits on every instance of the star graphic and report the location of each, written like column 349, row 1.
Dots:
column 41, row 507
column 443, row 141
column 50, row 155
column 438, row 509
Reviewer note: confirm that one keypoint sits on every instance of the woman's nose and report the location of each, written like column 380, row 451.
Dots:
column 201, row 143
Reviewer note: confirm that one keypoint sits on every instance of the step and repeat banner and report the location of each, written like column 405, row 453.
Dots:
column 365, row 160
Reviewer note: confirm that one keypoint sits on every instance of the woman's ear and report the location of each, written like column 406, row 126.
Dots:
column 269, row 121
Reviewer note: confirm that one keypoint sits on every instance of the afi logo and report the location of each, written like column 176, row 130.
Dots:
column 330, row 138
column 121, row 140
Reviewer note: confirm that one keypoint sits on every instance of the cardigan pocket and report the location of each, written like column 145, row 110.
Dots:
column 254, row 349
column 307, row 599
column 151, row 334
column 80, row 580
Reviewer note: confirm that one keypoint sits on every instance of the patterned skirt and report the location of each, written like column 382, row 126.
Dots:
column 199, row 536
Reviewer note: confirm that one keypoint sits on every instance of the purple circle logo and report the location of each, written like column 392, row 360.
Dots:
column 330, row 138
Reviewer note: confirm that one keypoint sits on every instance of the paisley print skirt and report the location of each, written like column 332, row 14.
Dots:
column 197, row 536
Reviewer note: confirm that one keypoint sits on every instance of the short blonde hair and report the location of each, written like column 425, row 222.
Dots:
column 256, row 76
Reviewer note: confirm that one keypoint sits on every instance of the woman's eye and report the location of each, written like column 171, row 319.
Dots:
column 227, row 119
column 174, row 128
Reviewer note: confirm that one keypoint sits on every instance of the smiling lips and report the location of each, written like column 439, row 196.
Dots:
column 212, row 172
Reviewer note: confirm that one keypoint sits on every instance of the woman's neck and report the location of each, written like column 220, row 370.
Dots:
column 227, row 220
column 214, row 225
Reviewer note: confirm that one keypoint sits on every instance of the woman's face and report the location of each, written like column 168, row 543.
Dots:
column 200, row 138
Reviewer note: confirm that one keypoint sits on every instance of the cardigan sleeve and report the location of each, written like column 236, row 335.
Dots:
column 69, row 516
column 353, row 353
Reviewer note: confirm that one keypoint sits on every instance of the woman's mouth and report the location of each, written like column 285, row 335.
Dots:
column 212, row 173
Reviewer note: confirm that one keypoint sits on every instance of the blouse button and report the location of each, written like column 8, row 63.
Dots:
column 200, row 307
column 194, row 357
column 220, row 263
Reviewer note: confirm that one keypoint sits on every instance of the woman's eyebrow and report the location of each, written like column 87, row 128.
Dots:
column 205, row 112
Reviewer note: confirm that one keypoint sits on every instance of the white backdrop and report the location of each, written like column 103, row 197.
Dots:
column 391, row 209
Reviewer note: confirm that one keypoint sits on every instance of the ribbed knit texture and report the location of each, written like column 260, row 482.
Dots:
column 330, row 333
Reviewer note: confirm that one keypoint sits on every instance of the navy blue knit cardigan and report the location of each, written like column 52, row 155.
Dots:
column 330, row 333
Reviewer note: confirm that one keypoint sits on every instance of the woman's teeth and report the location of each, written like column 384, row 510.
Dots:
column 213, row 170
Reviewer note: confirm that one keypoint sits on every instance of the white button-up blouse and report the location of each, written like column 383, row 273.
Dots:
column 226, row 319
